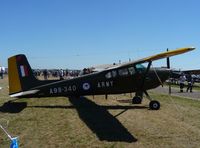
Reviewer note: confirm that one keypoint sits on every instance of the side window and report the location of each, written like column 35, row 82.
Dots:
column 114, row 73
column 108, row 75
column 123, row 72
column 131, row 70
column 111, row 74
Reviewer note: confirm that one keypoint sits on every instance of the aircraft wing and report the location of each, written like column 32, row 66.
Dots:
column 160, row 56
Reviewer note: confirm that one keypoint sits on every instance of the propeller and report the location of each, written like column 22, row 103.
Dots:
column 168, row 66
column 168, row 61
column 174, row 73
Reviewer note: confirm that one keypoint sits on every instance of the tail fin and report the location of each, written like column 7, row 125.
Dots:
column 20, row 75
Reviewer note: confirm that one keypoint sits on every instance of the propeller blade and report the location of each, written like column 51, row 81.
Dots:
column 168, row 66
column 168, row 61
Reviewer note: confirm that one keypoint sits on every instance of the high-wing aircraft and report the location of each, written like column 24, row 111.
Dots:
column 124, row 78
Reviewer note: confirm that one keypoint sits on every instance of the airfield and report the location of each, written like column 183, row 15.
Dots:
column 97, row 122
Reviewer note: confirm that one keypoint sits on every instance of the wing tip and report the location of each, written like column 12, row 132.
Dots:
column 192, row 48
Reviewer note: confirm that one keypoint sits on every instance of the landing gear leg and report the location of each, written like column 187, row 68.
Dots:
column 153, row 105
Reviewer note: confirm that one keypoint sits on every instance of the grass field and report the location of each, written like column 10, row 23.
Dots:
column 86, row 122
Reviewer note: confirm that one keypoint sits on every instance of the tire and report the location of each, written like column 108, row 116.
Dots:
column 136, row 100
column 154, row 105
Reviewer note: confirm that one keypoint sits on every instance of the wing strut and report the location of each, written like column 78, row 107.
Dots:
column 154, row 105
column 137, row 99
column 147, row 95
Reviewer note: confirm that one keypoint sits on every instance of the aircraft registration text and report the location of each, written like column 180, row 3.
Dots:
column 65, row 89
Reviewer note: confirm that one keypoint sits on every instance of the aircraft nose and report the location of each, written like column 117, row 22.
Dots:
column 163, row 73
column 175, row 74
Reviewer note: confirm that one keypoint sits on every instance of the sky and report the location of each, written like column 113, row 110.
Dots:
column 75, row 34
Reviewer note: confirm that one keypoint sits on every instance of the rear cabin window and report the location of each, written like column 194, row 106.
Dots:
column 123, row 72
column 114, row 73
column 111, row 74
column 108, row 75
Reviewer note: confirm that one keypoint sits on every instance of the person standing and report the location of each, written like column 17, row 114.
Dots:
column 181, row 82
column 61, row 74
column 2, row 69
column 45, row 73
column 190, row 82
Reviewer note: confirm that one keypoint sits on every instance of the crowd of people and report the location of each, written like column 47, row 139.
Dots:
column 61, row 73
column 57, row 74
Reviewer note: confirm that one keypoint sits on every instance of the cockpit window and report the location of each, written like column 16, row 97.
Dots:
column 140, row 67
column 131, row 70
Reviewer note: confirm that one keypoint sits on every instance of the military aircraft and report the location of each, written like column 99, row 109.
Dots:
column 124, row 78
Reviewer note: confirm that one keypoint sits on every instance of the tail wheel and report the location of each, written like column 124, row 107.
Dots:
column 154, row 105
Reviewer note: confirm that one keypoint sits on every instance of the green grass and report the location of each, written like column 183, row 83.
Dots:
column 87, row 122
column 196, row 86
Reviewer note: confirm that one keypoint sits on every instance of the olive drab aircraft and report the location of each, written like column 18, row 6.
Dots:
column 125, row 78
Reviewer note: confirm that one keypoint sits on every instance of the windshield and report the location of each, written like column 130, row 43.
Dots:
column 140, row 67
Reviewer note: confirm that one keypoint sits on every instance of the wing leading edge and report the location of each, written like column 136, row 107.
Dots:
column 161, row 56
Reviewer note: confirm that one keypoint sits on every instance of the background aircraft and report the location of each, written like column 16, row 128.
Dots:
column 124, row 78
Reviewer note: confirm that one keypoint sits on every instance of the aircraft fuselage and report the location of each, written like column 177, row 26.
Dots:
column 114, row 81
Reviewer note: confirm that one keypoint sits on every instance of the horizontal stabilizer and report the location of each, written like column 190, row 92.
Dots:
column 24, row 93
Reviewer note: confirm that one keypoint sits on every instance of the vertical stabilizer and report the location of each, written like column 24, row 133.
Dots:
column 20, row 75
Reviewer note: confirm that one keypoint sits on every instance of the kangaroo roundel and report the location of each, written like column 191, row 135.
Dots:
column 86, row 86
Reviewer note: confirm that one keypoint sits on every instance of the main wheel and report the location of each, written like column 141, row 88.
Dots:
column 136, row 100
column 154, row 105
